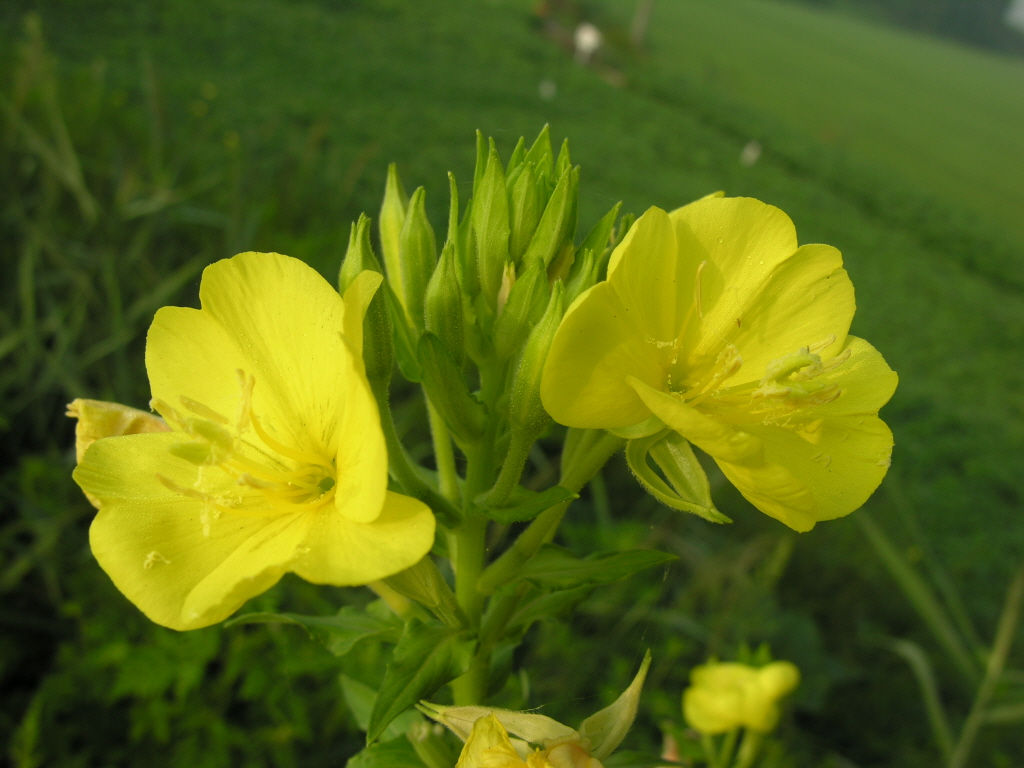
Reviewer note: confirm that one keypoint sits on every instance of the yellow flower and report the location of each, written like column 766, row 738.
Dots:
column 730, row 695
column 717, row 324
column 275, row 461
column 488, row 744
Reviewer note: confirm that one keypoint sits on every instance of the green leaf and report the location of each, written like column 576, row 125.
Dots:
column 554, row 567
column 405, row 345
column 391, row 754
column 525, row 505
column 689, row 490
column 425, row 658
column 447, row 390
column 359, row 698
column 339, row 633
column 546, row 605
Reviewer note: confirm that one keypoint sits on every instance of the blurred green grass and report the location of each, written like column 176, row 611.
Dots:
column 944, row 117
column 205, row 130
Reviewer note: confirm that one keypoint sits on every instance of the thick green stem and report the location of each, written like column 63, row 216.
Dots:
column 585, row 465
column 511, row 469
column 444, row 455
column 401, row 466
column 1008, row 622
column 749, row 749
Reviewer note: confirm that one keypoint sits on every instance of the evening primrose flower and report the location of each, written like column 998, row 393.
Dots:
column 714, row 323
column 724, row 696
column 275, row 458
column 501, row 738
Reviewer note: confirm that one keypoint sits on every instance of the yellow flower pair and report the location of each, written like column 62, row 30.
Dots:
column 274, row 460
column 726, row 696
column 714, row 323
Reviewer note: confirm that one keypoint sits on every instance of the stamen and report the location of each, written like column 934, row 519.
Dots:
column 696, row 289
column 726, row 366
column 202, row 410
column 825, row 343
column 246, row 382
column 291, row 453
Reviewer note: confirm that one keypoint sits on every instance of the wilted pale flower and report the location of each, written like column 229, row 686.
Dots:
column 275, row 461
column 537, row 741
column 713, row 320
column 731, row 695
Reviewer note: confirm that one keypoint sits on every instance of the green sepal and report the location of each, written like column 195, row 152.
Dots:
column 649, row 426
column 525, row 306
column 526, row 412
column 418, row 257
column 517, row 156
column 689, row 490
column 426, row 657
column 583, row 276
column 599, row 238
column 390, row 223
column 491, row 227
column 554, row 567
column 553, row 228
column 525, row 505
column 526, row 206
column 563, row 163
column 378, row 340
column 444, row 384
column 443, row 310
column 542, row 157
column 403, row 336
column 338, row 633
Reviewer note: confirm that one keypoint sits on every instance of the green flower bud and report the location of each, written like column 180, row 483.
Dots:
column 563, row 163
column 378, row 346
column 525, row 306
column 417, row 250
column 443, row 306
column 526, row 413
column 446, row 389
column 518, row 155
column 557, row 225
column 541, row 156
column 527, row 206
column 392, row 219
column 582, row 277
column 491, row 227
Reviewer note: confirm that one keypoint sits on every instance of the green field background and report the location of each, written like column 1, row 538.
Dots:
column 268, row 125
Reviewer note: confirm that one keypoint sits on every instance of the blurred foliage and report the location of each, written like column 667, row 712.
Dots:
column 161, row 138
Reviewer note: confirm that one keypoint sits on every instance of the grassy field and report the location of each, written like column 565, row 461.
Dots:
column 268, row 125
column 944, row 117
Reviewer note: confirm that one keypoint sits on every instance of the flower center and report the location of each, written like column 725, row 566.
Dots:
column 289, row 479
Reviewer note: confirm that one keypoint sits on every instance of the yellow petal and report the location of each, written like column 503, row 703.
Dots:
column 273, row 317
column 740, row 454
column 865, row 380
column 598, row 345
column 357, row 300
column 808, row 299
column 339, row 551
column 742, row 240
column 488, row 746
column 644, row 275
column 183, row 564
column 840, row 459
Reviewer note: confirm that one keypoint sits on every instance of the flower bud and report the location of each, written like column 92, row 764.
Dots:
column 491, row 227
column 527, row 206
column 542, row 157
column 526, row 302
column 443, row 304
column 392, row 219
column 526, row 413
column 557, row 225
column 582, row 277
column 417, row 249
column 378, row 346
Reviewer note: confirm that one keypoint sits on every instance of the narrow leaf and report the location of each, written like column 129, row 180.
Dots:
column 359, row 699
column 425, row 658
column 556, row 568
column 398, row 753
column 339, row 633
column 525, row 505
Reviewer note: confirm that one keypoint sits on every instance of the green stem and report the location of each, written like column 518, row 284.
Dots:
column 1008, row 622
column 707, row 742
column 511, row 469
column 749, row 748
column 401, row 466
column 728, row 746
column 543, row 527
column 444, row 455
